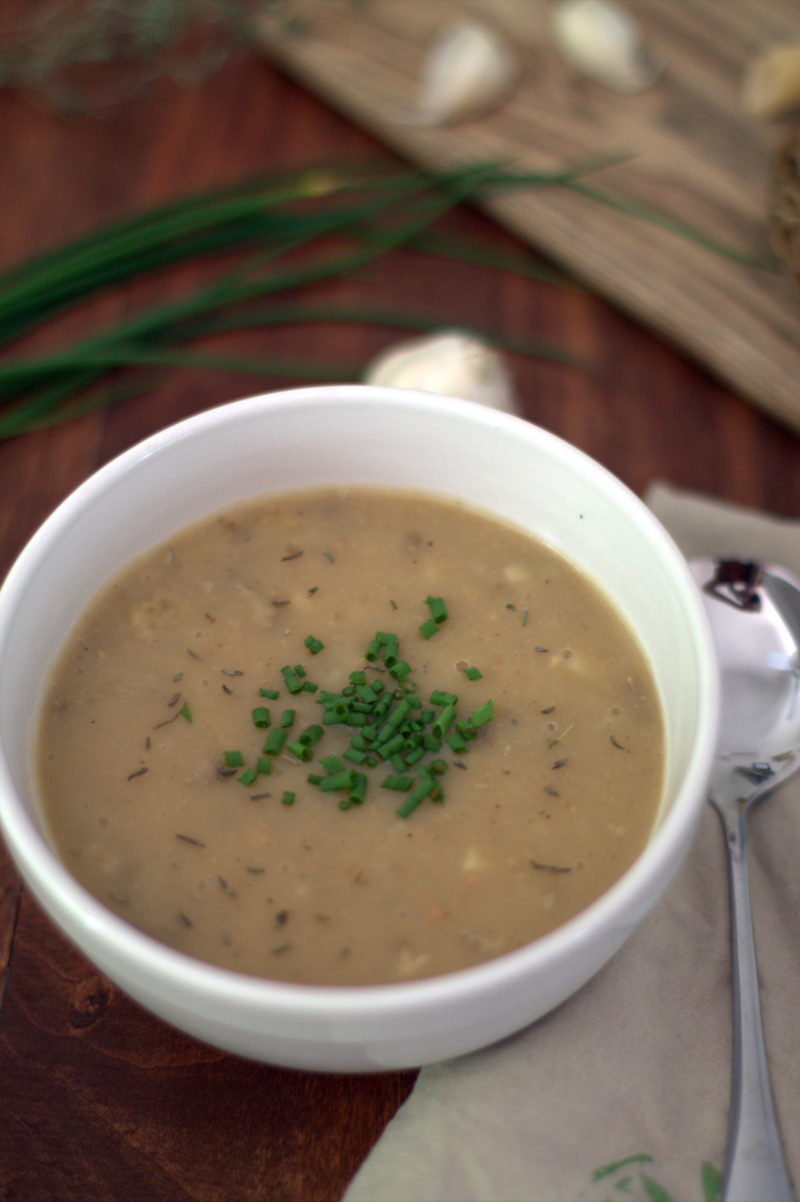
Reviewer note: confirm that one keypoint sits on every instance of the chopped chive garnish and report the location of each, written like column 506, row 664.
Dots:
column 457, row 743
column 275, row 741
column 414, row 799
column 400, row 784
column 438, row 609
column 288, row 798
column 385, row 725
column 445, row 720
column 358, row 789
column 429, row 628
column 338, row 780
column 482, row 715
column 185, row 712
column 293, row 684
column 299, row 750
column 332, row 764
column 272, row 694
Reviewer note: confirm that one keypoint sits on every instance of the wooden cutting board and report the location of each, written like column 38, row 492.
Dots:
column 697, row 157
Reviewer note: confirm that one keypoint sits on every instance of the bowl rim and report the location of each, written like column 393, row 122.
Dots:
column 55, row 887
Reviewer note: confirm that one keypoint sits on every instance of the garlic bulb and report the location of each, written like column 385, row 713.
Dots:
column 600, row 40
column 468, row 72
column 771, row 84
column 450, row 363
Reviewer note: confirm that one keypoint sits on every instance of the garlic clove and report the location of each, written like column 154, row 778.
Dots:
column 771, row 83
column 599, row 39
column 449, row 363
column 468, row 72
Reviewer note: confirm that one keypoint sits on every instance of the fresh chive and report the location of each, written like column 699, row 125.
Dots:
column 264, row 765
column 440, row 698
column 473, row 673
column 247, row 777
column 233, row 759
column 261, row 716
column 185, row 712
column 288, row 798
column 314, row 644
column 287, row 718
column 429, row 628
column 272, row 694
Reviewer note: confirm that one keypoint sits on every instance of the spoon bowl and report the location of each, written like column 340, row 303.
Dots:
column 754, row 613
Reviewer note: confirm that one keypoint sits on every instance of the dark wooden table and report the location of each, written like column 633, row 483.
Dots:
column 99, row 1101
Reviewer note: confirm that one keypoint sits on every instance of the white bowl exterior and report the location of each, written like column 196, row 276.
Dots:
column 345, row 435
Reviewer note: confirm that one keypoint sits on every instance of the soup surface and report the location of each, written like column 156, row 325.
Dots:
column 361, row 639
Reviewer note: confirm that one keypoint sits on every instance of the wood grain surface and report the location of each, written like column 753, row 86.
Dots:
column 696, row 157
column 99, row 1101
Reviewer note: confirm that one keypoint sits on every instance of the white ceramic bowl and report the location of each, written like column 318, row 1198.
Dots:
column 307, row 437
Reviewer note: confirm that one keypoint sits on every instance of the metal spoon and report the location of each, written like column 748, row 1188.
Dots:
column 754, row 613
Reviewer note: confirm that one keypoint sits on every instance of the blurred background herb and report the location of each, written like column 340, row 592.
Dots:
column 124, row 44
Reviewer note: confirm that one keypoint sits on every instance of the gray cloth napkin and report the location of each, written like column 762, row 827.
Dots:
column 622, row 1092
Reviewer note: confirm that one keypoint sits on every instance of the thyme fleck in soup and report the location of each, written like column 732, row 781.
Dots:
column 349, row 736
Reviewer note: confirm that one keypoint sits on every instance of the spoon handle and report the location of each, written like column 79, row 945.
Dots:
column 754, row 1166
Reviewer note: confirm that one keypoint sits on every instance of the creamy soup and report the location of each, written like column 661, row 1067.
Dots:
column 349, row 736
